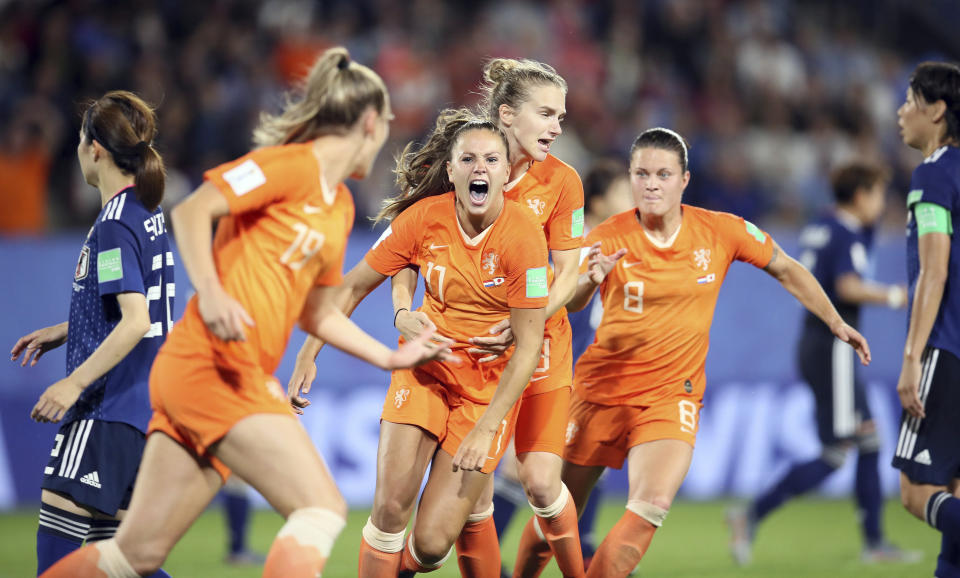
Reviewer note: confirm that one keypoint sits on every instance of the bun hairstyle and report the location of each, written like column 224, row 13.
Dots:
column 509, row 81
column 332, row 98
column 663, row 138
column 935, row 81
column 125, row 127
column 422, row 172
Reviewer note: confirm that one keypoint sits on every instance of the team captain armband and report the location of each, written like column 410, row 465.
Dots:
column 536, row 282
column 932, row 218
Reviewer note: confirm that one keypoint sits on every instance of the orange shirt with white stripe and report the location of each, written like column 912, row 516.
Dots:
column 552, row 194
column 469, row 285
column 283, row 236
column 658, row 305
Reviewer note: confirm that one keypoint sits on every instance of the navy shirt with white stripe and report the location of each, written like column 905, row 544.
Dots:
column 126, row 250
column 937, row 181
column 831, row 247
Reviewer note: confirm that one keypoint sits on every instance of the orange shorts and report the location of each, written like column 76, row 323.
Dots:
column 196, row 403
column 555, row 370
column 602, row 435
column 416, row 398
column 542, row 422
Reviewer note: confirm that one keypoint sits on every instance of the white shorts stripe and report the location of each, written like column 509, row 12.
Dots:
column 83, row 446
column 844, row 409
column 66, row 449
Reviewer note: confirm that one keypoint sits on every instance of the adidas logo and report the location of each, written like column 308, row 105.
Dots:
column 91, row 479
column 923, row 458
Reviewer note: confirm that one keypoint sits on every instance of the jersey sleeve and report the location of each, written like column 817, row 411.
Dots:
column 258, row 179
column 565, row 227
column 397, row 246
column 119, row 258
column 525, row 267
column 930, row 184
column 746, row 241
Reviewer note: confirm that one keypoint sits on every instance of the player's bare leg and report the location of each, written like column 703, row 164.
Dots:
column 172, row 490
column 274, row 454
column 656, row 470
column 447, row 501
column 403, row 455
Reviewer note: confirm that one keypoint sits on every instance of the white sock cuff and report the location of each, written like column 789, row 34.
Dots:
column 425, row 566
column 474, row 518
column 554, row 509
column 382, row 541
column 113, row 562
column 536, row 528
column 653, row 514
column 317, row 527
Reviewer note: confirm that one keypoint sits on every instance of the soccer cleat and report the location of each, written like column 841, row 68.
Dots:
column 245, row 558
column 742, row 528
column 887, row 552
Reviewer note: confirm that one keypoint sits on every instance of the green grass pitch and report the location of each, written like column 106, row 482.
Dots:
column 807, row 538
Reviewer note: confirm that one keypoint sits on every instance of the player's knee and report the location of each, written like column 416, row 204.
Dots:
column 541, row 488
column 391, row 514
column 431, row 548
column 914, row 500
column 835, row 455
column 654, row 511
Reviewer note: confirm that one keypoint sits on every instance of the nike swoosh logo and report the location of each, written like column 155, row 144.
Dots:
column 435, row 247
column 311, row 210
column 627, row 265
column 539, row 377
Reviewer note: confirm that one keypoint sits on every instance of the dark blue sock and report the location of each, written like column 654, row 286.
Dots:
column 943, row 513
column 587, row 518
column 948, row 562
column 237, row 506
column 800, row 478
column 102, row 530
column 869, row 497
column 58, row 534
column 507, row 497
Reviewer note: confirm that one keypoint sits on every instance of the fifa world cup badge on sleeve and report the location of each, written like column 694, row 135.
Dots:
column 537, row 282
column 109, row 265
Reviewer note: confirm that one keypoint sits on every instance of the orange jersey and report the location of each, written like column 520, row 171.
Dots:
column 552, row 194
column 280, row 240
column 469, row 287
column 658, row 305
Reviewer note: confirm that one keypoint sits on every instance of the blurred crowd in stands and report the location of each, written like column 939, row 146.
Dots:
column 771, row 93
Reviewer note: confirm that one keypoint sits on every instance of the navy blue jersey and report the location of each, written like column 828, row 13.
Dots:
column 126, row 250
column 831, row 247
column 584, row 325
column 937, row 181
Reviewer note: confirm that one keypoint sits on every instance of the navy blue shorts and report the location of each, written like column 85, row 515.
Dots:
column 95, row 463
column 928, row 450
column 829, row 366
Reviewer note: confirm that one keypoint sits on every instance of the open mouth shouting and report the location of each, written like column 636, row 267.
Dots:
column 478, row 192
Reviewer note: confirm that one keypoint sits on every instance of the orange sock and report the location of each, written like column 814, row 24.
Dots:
column 303, row 544
column 478, row 548
column 533, row 554
column 101, row 560
column 380, row 552
column 623, row 548
column 563, row 537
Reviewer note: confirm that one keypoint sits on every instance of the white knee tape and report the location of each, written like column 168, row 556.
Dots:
column 554, row 509
column 317, row 527
column 474, row 518
column 413, row 554
column 653, row 514
column 113, row 562
column 382, row 541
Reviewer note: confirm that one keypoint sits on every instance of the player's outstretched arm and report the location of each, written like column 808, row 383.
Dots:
column 598, row 267
column 356, row 285
column 796, row 279
column 133, row 325
column 934, row 252
column 192, row 220
column 528, row 332
column 34, row 344
column 851, row 288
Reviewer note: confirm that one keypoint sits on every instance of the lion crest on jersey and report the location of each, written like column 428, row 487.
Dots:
column 401, row 397
column 537, row 206
column 490, row 262
column 702, row 258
